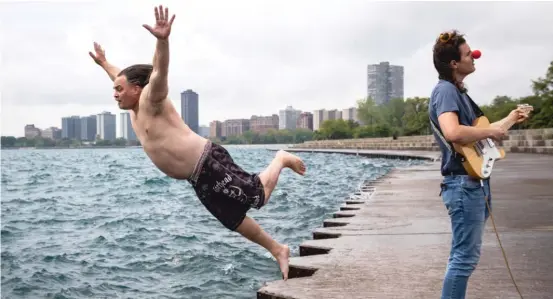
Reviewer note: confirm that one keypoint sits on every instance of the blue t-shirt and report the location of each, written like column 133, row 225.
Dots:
column 446, row 97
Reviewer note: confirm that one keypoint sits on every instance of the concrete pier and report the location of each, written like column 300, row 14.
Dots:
column 389, row 154
column 395, row 244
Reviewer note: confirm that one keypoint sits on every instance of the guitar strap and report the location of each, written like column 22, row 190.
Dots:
column 477, row 111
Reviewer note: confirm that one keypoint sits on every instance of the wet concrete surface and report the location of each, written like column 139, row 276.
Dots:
column 397, row 243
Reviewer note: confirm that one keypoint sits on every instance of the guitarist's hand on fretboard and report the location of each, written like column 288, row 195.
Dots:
column 519, row 114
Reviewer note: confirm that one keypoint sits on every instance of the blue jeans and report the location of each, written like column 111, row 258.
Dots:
column 464, row 198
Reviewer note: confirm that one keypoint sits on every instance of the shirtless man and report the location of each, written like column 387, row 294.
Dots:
column 224, row 188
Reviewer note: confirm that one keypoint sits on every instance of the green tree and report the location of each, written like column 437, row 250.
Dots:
column 368, row 112
column 8, row 141
column 337, row 129
column 415, row 119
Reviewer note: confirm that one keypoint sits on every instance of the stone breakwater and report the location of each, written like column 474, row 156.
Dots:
column 538, row 141
column 391, row 239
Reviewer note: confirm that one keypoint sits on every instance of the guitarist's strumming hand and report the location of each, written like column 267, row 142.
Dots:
column 497, row 134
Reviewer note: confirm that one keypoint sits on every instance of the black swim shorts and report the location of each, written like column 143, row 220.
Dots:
column 224, row 188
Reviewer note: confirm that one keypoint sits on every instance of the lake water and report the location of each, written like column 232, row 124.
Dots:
column 105, row 223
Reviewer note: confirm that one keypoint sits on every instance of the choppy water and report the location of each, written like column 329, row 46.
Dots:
column 105, row 223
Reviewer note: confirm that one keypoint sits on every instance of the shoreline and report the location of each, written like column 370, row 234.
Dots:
column 388, row 154
column 378, row 246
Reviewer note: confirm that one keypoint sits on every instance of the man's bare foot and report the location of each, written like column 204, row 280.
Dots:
column 291, row 161
column 282, row 256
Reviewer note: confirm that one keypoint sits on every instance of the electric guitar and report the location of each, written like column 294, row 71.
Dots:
column 480, row 156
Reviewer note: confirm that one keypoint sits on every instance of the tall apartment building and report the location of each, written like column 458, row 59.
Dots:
column 71, row 127
column 288, row 118
column 31, row 131
column 88, row 128
column 105, row 126
column 52, row 133
column 318, row 119
column 262, row 124
column 234, row 127
column 189, row 109
column 350, row 114
column 332, row 114
column 322, row 115
column 215, row 129
column 384, row 82
column 305, row 121
column 125, row 127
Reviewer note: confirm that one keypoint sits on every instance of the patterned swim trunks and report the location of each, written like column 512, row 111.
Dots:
column 224, row 188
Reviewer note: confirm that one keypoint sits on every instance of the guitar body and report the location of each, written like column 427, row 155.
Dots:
column 480, row 156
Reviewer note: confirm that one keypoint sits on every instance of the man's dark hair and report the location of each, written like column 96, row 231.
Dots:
column 445, row 50
column 138, row 74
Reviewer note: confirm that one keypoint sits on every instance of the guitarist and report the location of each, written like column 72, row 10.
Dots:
column 452, row 113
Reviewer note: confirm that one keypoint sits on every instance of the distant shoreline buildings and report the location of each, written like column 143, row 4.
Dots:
column 384, row 82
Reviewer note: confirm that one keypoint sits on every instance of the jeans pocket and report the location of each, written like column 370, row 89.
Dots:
column 474, row 203
column 452, row 198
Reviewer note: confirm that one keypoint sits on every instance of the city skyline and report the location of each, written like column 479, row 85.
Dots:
column 75, row 126
column 255, row 63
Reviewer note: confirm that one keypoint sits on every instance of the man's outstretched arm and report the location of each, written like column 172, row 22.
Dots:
column 100, row 59
column 159, row 88
column 158, row 84
column 111, row 70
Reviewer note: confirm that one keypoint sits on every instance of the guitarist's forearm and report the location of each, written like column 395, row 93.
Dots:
column 467, row 134
column 500, row 123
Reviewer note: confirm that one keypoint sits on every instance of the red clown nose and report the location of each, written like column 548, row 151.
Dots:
column 476, row 54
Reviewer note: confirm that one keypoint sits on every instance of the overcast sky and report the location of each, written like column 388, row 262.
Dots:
column 256, row 57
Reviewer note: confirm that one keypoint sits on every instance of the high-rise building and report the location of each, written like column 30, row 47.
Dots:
column 71, row 127
column 318, row 119
column 305, row 121
column 322, row 115
column 350, row 114
column 52, row 133
column 88, row 128
column 288, row 118
column 332, row 114
column 189, row 109
column 105, row 126
column 125, row 127
column 384, row 82
column 31, row 131
column 262, row 124
column 215, row 129
column 235, row 127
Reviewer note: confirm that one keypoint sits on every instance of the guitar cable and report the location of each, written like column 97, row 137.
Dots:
column 501, row 246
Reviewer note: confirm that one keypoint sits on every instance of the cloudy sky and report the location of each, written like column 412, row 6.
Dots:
column 256, row 57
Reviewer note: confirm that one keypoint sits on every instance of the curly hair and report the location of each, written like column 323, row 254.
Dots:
column 445, row 50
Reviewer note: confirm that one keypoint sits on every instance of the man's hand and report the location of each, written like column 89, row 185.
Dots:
column 100, row 57
column 518, row 115
column 497, row 134
column 162, row 28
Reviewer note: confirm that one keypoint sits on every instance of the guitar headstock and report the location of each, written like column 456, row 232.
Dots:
column 526, row 108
